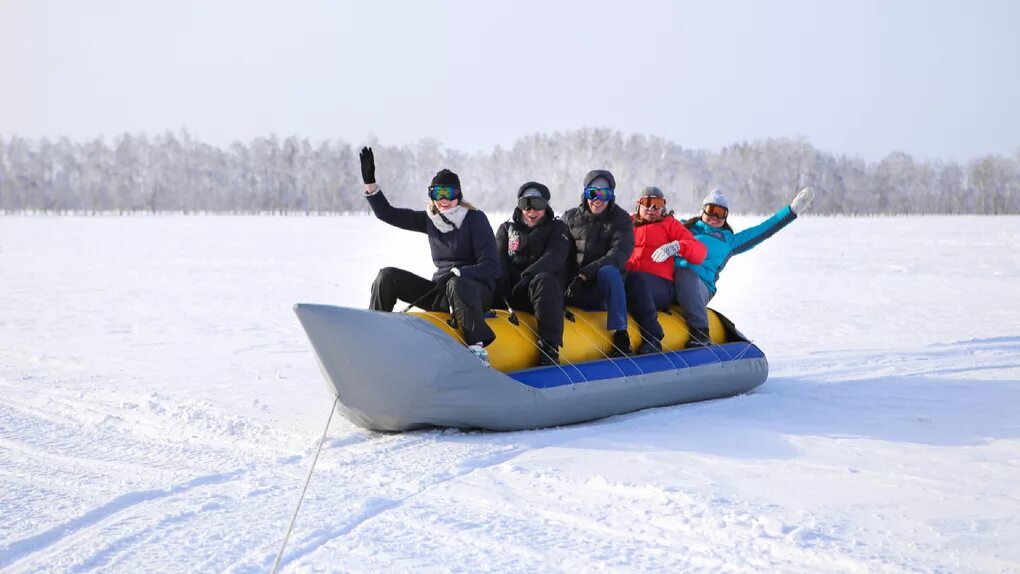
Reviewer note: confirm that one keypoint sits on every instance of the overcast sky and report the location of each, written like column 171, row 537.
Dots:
column 936, row 79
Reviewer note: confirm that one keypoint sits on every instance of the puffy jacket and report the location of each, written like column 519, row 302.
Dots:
column 471, row 247
column 599, row 240
column 723, row 243
column 650, row 236
column 527, row 250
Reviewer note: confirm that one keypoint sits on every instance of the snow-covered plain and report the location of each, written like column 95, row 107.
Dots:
column 160, row 406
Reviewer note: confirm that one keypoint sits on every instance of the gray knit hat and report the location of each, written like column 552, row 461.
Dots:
column 652, row 191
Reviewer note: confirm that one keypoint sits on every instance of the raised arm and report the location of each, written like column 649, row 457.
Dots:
column 408, row 219
column 750, row 238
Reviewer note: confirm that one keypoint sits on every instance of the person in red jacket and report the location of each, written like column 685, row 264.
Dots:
column 658, row 237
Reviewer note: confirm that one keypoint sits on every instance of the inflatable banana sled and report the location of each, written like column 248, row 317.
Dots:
column 403, row 371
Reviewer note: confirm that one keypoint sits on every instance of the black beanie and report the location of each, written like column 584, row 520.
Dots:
column 597, row 173
column 535, row 186
column 446, row 177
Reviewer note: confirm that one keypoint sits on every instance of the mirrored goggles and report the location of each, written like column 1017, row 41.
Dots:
column 598, row 193
column 716, row 210
column 437, row 192
column 652, row 202
column 536, row 203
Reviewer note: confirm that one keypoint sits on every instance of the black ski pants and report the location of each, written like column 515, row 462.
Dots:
column 468, row 298
column 544, row 298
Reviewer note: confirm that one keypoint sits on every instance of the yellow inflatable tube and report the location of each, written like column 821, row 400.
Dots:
column 584, row 339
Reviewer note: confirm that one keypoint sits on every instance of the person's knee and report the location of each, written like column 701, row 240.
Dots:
column 685, row 278
column 545, row 282
column 386, row 275
column 638, row 280
column 454, row 285
column 610, row 275
column 462, row 289
column 544, row 277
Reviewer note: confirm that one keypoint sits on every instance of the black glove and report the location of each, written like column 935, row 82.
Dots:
column 367, row 165
column 520, row 290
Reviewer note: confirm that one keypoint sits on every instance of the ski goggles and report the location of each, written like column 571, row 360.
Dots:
column 604, row 194
column 536, row 203
column 715, row 210
column 652, row 202
column 437, row 192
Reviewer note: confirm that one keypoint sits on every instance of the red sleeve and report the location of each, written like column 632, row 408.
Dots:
column 635, row 255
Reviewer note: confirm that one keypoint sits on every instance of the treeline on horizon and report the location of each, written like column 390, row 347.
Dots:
column 173, row 172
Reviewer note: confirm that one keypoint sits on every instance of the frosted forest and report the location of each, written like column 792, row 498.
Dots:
column 173, row 172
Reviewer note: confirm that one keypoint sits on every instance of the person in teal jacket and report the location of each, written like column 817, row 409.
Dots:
column 695, row 284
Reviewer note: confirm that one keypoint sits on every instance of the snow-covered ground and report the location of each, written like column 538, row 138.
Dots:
column 160, row 406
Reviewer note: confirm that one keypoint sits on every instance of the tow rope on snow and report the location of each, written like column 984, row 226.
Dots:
column 293, row 519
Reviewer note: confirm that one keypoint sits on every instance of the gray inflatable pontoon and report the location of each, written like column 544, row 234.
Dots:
column 395, row 372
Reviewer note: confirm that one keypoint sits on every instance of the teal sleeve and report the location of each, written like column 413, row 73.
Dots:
column 751, row 237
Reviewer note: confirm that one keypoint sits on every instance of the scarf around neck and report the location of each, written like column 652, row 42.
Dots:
column 447, row 221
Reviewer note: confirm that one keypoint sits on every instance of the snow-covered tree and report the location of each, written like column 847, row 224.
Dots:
column 174, row 172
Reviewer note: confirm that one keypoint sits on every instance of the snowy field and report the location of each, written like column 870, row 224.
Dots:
column 160, row 406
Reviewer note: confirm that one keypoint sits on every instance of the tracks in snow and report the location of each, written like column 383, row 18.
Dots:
column 94, row 484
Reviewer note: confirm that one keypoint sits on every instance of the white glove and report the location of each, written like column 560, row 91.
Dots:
column 455, row 271
column 802, row 200
column 666, row 251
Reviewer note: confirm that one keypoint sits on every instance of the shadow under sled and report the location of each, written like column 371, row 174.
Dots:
column 395, row 372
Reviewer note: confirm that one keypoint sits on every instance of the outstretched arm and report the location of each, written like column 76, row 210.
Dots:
column 408, row 219
column 802, row 200
column 750, row 238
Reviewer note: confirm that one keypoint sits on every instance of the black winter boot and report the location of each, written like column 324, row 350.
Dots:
column 699, row 338
column 548, row 354
column 621, row 344
column 649, row 345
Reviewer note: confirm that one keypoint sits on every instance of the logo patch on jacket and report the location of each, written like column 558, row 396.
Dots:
column 513, row 242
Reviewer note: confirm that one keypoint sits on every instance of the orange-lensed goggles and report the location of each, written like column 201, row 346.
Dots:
column 716, row 210
column 652, row 202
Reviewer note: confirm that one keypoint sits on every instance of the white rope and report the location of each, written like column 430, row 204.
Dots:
column 293, row 519
column 598, row 331
column 513, row 314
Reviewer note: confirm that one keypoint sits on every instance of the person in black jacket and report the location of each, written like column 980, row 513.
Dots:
column 603, row 239
column 463, row 250
column 533, row 247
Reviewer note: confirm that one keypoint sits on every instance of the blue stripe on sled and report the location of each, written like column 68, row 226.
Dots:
column 547, row 377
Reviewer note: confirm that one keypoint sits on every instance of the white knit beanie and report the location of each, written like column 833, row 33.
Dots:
column 716, row 197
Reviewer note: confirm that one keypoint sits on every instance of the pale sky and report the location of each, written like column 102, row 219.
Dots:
column 936, row 79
